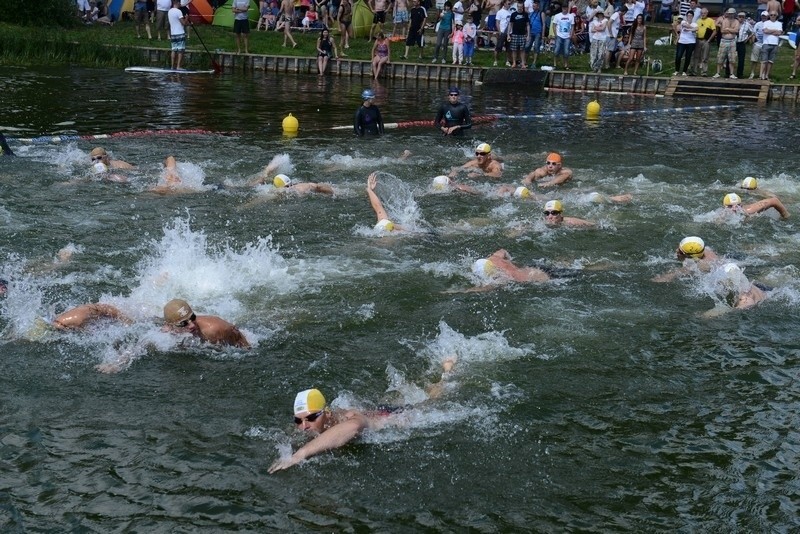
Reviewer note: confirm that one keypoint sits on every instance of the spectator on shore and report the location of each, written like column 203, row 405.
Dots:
column 141, row 16
column 772, row 32
column 162, row 20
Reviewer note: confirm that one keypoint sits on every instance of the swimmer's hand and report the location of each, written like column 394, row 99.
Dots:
column 283, row 463
column 372, row 181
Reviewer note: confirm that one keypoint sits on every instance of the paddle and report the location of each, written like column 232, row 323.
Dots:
column 214, row 64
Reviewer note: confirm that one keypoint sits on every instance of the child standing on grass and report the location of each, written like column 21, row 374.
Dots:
column 470, row 36
column 458, row 44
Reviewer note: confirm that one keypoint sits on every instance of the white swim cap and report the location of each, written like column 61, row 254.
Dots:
column 441, row 182
column 749, row 183
column 596, row 197
column 385, row 225
column 99, row 167
column 522, row 192
column 483, row 268
column 281, row 180
column 731, row 199
column 309, row 400
column 731, row 269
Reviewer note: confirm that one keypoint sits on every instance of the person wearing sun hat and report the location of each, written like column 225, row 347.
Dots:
column 729, row 30
column 552, row 172
column 483, row 166
column 733, row 202
column 453, row 116
column 554, row 216
column 179, row 317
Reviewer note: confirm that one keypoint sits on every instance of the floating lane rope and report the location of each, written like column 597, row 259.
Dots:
column 45, row 139
column 557, row 115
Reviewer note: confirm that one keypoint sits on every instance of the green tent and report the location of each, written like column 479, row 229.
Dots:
column 223, row 16
column 362, row 19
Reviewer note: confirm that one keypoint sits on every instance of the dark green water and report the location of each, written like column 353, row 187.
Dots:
column 600, row 401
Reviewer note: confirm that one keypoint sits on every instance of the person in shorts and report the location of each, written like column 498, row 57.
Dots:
column 141, row 16
column 241, row 24
column 162, row 21
column 177, row 33
column 417, row 17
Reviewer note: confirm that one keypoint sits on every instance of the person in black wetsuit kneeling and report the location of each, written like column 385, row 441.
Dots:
column 368, row 117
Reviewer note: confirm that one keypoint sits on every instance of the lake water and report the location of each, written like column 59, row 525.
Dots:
column 599, row 401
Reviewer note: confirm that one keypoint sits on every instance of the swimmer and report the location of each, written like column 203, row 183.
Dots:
column 179, row 317
column 739, row 292
column 553, row 216
column 483, row 166
column 288, row 185
column 368, row 120
column 552, row 170
column 453, row 117
column 335, row 428
column 5, row 150
column 598, row 198
column 384, row 222
column 99, row 155
column 171, row 181
column 80, row 316
column 499, row 269
column 690, row 248
column 3, row 287
column 733, row 202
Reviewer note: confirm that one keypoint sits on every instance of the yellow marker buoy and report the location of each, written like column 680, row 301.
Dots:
column 593, row 110
column 290, row 124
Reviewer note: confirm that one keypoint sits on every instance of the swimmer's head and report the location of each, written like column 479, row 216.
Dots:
column 281, row 180
column 3, row 287
column 522, row 192
column 732, row 270
column 384, row 225
column 177, row 311
column 483, row 268
column 453, row 91
column 310, row 401
column 98, row 153
column 441, row 182
column 731, row 200
column 483, row 149
column 596, row 198
column 691, row 247
column 99, row 167
column 367, row 94
column 750, row 183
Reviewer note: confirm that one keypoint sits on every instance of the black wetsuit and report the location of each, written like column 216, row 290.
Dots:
column 5, row 150
column 368, row 121
column 453, row 115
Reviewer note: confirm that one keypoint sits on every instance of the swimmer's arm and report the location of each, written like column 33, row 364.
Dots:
column 374, row 201
column 668, row 276
column 333, row 438
column 574, row 221
column 762, row 205
column 533, row 175
column 564, row 175
column 496, row 170
column 464, row 188
column 468, row 165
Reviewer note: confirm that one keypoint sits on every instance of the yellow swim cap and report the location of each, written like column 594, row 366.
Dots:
column 522, row 192
column 732, row 199
column 385, row 225
column 441, row 182
column 309, row 400
column 749, row 183
column 176, row 311
column 483, row 268
column 692, row 246
column 553, row 205
column 281, row 180
column 483, row 148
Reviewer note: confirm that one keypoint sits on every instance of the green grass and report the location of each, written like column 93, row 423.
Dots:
column 99, row 45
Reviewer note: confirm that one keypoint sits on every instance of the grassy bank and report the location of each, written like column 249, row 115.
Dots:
column 113, row 46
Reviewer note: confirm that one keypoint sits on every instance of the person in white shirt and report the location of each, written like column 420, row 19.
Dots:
column 773, row 29
column 162, row 21
column 501, row 23
column 687, row 40
column 758, row 43
column 458, row 11
column 177, row 33
column 613, row 26
column 564, row 24
column 598, row 32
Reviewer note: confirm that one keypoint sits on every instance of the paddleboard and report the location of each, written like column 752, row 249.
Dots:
column 156, row 70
